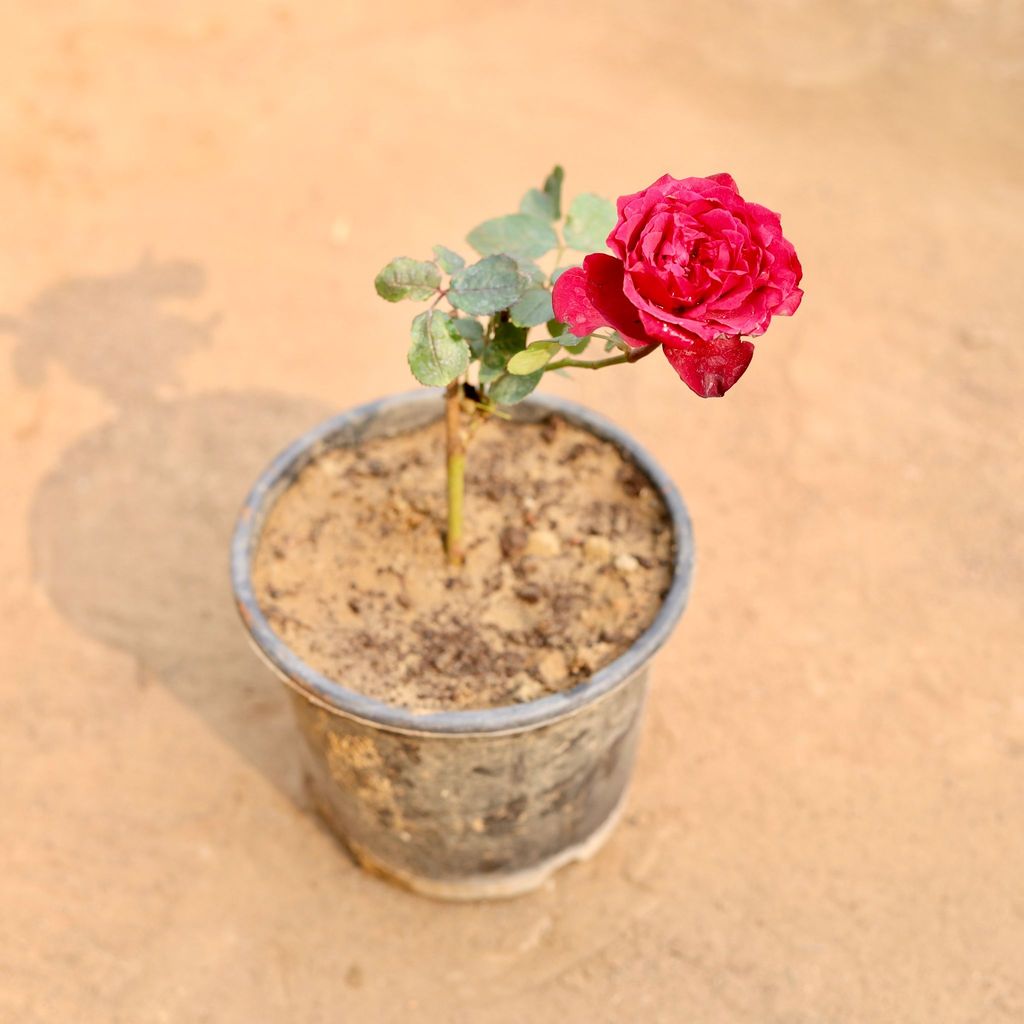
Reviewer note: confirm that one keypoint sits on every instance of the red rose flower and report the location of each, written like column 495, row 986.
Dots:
column 695, row 267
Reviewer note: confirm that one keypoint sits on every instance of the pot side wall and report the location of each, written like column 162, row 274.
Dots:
column 472, row 815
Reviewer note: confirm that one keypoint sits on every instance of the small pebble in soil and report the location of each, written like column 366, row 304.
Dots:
column 626, row 563
column 597, row 549
column 543, row 543
column 529, row 689
column 552, row 668
column 530, row 511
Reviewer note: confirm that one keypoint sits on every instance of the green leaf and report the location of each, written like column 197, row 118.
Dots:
column 509, row 388
column 473, row 333
column 532, row 273
column 533, row 307
column 437, row 354
column 538, row 204
column 533, row 357
column 486, row 287
column 471, row 330
column 580, row 347
column 503, row 387
column 450, row 261
column 508, row 340
column 518, row 234
column 553, row 188
column 556, row 328
column 589, row 223
column 405, row 278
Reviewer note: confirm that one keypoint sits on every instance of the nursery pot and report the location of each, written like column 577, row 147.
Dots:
column 463, row 804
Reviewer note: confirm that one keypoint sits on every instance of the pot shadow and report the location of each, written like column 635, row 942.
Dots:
column 130, row 530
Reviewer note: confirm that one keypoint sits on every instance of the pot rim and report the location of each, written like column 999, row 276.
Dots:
column 506, row 718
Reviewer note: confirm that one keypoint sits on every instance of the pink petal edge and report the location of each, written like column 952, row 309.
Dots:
column 591, row 296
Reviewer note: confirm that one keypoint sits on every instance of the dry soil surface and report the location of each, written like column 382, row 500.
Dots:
column 825, row 823
column 568, row 556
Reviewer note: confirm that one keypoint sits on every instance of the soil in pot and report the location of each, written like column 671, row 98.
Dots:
column 568, row 558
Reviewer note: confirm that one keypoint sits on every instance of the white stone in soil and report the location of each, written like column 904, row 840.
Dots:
column 544, row 543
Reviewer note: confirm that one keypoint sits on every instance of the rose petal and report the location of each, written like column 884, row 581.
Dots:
column 789, row 305
column 677, row 334
column 698, row 268
column 591, row 296
column 725, row 179
column 710, row 368
column 572, row 304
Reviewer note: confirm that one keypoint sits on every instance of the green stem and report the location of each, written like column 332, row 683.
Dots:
column 456, row 452
column 634, row 355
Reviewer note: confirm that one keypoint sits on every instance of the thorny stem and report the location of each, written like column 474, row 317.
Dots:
column 634, row 355
column 456, row 452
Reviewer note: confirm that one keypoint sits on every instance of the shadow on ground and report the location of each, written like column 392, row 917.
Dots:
column 130, row 530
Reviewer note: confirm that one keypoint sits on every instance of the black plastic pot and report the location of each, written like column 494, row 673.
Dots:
column 464, row 804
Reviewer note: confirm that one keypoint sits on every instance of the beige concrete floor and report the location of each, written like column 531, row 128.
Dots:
column 826, row 824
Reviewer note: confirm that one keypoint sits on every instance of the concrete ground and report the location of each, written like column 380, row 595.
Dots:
column 826, row 823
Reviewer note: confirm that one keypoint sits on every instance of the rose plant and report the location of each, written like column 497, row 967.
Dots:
column 686, row 265
column 516, row 756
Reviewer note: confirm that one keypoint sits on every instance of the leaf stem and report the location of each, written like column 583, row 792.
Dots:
column 634, row 355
